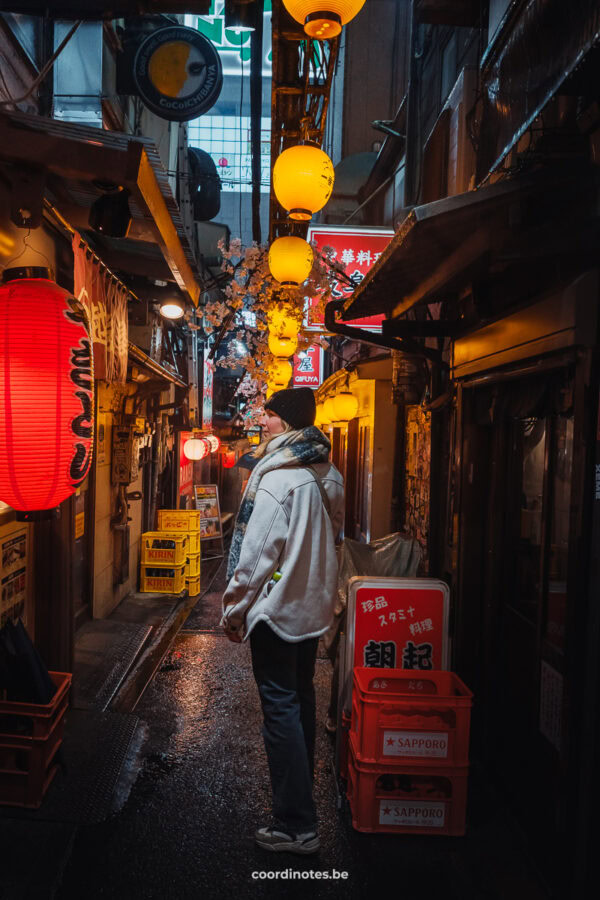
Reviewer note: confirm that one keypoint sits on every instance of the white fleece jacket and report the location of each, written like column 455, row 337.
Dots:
column 289, row 531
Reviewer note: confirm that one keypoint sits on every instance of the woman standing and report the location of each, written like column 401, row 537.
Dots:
column 281, row 594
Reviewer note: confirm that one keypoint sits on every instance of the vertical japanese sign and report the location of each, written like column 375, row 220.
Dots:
column 207, row 392
column 396, row 623
column 186, row 467
column 308, row 368
column 357, row 250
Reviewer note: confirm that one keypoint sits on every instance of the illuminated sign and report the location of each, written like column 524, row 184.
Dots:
column 233, row 47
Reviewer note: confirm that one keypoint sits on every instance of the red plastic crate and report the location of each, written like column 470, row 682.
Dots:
column 414, row 719
column 28, row 750
column 411, row 800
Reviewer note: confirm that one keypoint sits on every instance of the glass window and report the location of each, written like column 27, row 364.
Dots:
column 27, row 30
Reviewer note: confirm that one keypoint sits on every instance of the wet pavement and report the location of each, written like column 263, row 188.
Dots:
column 199, row 786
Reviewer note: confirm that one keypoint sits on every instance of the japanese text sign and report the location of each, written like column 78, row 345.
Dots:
column 308, row 368
column 397, row 623
column 357, row 250
column 186, row 466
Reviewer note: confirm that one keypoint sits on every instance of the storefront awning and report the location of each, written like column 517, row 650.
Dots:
column 441, row 246
column 73, row 157
column 156, row 370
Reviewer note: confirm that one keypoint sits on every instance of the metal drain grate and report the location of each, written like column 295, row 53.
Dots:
column 104, row 653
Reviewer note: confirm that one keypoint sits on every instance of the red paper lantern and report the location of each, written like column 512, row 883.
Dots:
column 46, row 392
column 228, row 459
column 195, row 448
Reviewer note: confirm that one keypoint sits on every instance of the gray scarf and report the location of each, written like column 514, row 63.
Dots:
column 290, row 450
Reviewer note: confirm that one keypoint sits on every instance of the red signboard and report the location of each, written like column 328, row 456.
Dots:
column 357, row 250
column 397, row 623
column 186, row 467
column 308, row 368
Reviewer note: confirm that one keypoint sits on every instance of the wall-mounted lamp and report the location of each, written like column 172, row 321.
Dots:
column 240, row 15
column 172, row 308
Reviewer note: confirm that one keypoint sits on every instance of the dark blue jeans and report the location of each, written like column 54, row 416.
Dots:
column 284, row 674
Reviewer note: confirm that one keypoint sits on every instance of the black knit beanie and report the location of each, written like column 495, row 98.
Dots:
column 295, row 406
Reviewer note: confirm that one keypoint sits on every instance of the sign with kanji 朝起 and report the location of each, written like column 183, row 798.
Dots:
column 308, row 368
column 396, row 623
column 356, row 250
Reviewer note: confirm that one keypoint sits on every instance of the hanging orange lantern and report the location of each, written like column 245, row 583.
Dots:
column 345, row 406
column 228, row 459
column 196, row 448
column 280, row 372
column 321, row 416
column 329, row 410
column 303, row 180
column 282, row 323
column 290, row 260
column 282, row 346
column 323, row 19
column 46, row 393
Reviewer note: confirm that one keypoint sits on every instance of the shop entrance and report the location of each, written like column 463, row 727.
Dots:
column 514, row 598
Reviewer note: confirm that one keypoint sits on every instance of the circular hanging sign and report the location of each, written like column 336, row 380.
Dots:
column 178, row 73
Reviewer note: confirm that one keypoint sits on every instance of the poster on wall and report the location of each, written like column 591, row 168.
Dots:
column 396, row 623
column 13, row 575
column 357, row 250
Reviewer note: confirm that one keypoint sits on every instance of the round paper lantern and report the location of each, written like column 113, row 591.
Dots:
column 213, row 442
column 329, row 410
column 282, row 346
column 46, row 393
column 321, row 416
column 345, row 405
column 228, row 459
column 280, row 372
column 323, row 19
column 290, row 260
column 282, row 323
column 196, row 448
column 303, row 180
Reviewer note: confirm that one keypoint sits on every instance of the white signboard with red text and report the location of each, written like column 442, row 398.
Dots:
column 308, row 368
column 357, row 250
column 396, row 623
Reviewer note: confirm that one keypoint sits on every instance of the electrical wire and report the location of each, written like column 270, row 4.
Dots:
column 27, row 246
column 45, row 69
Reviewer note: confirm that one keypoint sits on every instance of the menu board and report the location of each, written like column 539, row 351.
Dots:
column 206, row 498
column 13, row 573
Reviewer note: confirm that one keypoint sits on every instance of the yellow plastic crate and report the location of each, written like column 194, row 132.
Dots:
column 162, row 579
column 192, row 566
column 165, row 548
column 178, row 520
column 193, row 586
column 193, row 542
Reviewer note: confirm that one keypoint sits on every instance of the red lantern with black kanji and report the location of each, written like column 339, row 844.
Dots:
column 228, row 459
column 46, row 392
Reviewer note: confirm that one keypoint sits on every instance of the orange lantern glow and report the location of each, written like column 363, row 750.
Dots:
column 282, row 323
column 228, row 459
column 321, row 417
column 196, row 448
column 280, row 372
column 46, row 393
column 290, row 260
column 282, row 346
column 303, row 180
column 323, row 19
column 345, row 405
column 329, row 410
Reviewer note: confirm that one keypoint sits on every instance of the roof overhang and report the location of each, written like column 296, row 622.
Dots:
column 73, row 156
column 442, row 246
column 156, row 370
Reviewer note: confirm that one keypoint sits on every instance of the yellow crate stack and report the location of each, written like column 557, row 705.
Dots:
column 185, row 521
column 164, row 558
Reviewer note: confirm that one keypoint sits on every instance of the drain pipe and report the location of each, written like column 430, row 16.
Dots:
column 405, row 344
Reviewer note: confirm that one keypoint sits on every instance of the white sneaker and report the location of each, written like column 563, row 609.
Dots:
column 281, row 841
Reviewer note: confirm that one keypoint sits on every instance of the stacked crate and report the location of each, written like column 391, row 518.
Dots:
column 408, row 757
column 185, row 521
column 30, row 737
column 164, row 555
